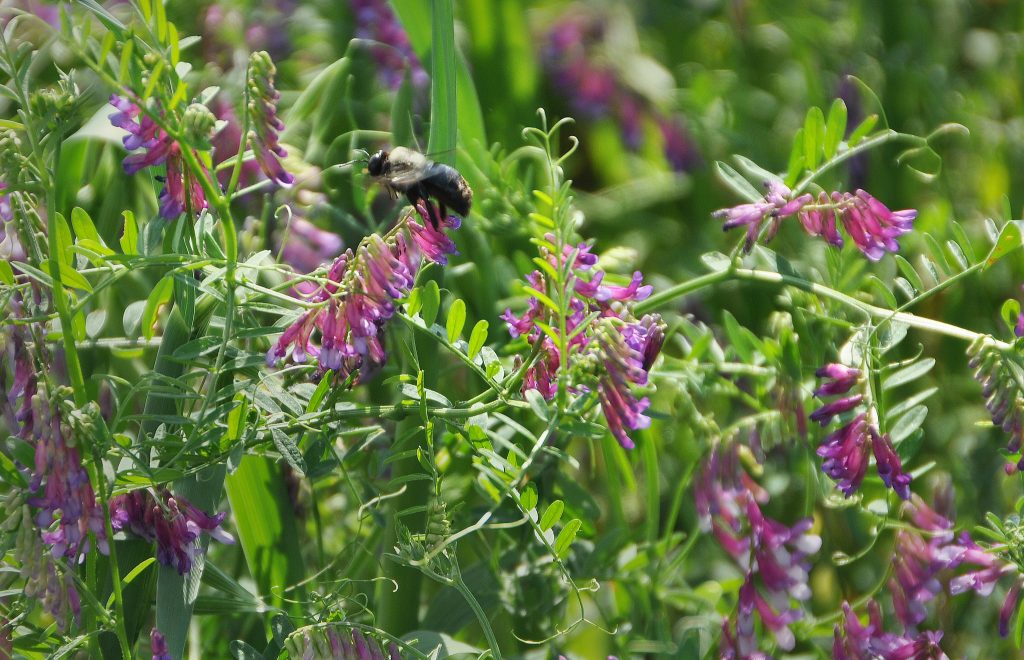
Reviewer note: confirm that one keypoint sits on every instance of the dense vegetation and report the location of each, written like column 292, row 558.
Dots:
column 520, row 396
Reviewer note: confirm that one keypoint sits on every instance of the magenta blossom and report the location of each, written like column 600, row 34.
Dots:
column 307, row 247
column 173, row 522
column 266, row 126
column 847, row 450
column 773, row 556
column 873, row 228
column 615, row 349
column 359, row 296
column 181, row 190
column 158, row 645
column 856, row 641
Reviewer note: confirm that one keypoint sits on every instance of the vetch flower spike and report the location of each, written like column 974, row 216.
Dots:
column 173, row 522
column 266, row 126
column 873, row 228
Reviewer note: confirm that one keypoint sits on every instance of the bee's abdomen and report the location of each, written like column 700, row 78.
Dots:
column 445, row 184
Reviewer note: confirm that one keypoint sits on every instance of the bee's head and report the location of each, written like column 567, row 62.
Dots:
column 375, row 166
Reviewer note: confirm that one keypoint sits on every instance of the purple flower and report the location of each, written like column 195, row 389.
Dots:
column 362, row 290
column 873, row 228
column 181, row 189
column 871, row 225
column 158, row 645
column 1001, row 392
column 825, row 413
column 173, row 522
column 856, row 641
column 773, row 556
column 775, row 206
column 846, row 455
column 616, row 349
column 336, row 642
column 68, row 511
column 623, row 366
column 889, row 466
column 266, row 126
column 375, row 21
column 841, row 377
column 53, row 586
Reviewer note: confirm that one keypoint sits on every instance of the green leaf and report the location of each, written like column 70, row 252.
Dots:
column 160, row 296
column 909, row 373
column 456, row 320
column 289, row 451
column 320, row 392
column 735, row 181
column 908, row 423
column 528, row 498
column 565, row 538
column 267, row 531
column 537, row 404
column 65, row 255
column 908, row 272
column 6, row 272
column 835, row 127
column 84, row 227
column 130, row 235
column 795, row 164
column 1010, row 311
column 1008, row 241
column 477, row 338
column 69, row 277
column 813, row 137
column 444, row 122
column 430, row 294
column 862, row 130
column 551, row 515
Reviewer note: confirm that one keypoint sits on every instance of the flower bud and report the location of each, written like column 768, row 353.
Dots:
column 198, row 124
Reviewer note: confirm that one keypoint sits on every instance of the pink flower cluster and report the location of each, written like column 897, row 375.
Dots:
column 847, row 451
column 180, row 190
column 359, row 297
column 266, row 126
column 173, row 522
column 622, row 347
column 773, row 556
column 869, row 223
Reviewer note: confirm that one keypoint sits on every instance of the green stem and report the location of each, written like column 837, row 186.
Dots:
column 871, row 311
column 115, row 569
column 481, row 617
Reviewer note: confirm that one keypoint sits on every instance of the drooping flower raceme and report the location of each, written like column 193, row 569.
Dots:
column 51, row 585
column 1004, row 397
column 856, row 641
column 338, row 643
column 307, row 247
column 869, row 223
column 773, row 556
column 848, row 450
column 173, row 522
column 181, row 190
column 350, row 309
column 612, row 352
column 928, row 556
column 266, row 126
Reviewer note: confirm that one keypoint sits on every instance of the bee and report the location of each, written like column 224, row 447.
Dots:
column 408, row 172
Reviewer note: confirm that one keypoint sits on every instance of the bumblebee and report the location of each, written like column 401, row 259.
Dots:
column 408, row 172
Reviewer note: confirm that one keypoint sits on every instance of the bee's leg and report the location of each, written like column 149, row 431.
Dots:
column 444, row 212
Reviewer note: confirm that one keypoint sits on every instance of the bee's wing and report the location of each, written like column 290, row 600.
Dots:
column 405, row 174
